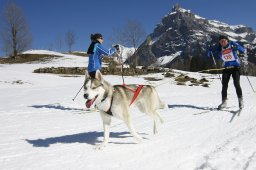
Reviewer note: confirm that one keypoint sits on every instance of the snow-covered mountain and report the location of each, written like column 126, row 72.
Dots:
column 183, row 35
column 125, row 52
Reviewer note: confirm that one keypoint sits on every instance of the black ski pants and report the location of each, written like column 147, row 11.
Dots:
column 235, row 72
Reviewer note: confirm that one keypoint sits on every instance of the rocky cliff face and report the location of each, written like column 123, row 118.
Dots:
column 182, row 38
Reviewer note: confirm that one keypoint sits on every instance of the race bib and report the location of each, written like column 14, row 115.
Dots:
column 227, row 55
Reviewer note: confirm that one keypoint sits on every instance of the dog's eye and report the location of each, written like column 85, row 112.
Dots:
column 96, row 87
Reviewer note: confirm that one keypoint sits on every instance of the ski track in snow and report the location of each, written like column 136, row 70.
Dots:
column 231, row 151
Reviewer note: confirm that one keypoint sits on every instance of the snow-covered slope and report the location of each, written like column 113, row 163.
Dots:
column 42, row 128
column 64, row 60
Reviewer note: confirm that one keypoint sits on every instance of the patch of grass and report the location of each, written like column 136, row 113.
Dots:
column 181, row 83
column 168, row 74
column 183, row 78
column 27, row 58
column 152, row 79
column 203, row 80
column 205, row 85
column 78, row 53
column 18, row 82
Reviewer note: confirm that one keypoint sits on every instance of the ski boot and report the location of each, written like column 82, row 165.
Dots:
column 241, row 103
column 222, row 105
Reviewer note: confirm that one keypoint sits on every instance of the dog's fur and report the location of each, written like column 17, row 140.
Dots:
column 99, row 93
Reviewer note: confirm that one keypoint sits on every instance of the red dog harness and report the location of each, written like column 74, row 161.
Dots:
column 136, row 92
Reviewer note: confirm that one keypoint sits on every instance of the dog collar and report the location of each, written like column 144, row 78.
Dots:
column 109, row 110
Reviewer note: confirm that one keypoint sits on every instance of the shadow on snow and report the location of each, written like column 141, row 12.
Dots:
column 188, row 106
column 207, row 110
column 89, row 138
column 55, row 106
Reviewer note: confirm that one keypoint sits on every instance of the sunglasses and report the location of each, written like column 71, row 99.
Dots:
column 222, row 40
column 101, row 38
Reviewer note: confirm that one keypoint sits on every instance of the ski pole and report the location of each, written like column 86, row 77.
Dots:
column 250, row 83
column 78, row 93
column 208, row 70
column 216, row 66
column 122, row 65
column 243, row 60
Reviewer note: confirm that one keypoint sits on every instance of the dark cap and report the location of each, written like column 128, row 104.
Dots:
column 223, row 37
column 96, row 36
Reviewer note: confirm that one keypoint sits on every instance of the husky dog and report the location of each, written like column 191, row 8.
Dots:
column 114, row 101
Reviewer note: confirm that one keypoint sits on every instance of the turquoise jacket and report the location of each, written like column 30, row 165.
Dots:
column 95, row 59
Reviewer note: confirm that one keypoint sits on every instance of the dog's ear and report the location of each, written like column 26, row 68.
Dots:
column 87, row 76
column 98, row 75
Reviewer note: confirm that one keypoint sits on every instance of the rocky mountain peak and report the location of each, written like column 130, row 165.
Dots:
column 182, row 36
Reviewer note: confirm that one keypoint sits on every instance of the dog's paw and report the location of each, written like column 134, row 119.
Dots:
column 100, row 146
column 139, row 139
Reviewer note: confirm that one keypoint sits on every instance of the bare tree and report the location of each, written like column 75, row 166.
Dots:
column 131, row 34
column 59, row 42
column 15, row 34
column 70, row 39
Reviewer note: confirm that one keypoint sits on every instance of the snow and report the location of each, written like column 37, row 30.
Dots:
column 199, row 17
column 126, row 52
column 65, row 60
column 167, row 59
column 234, row 27
column 156, row 38
column 198, row 33
column 42, row 128
column 184, row 10
column 216, row 23
column 171, row 13
column 254, row 41
column 232, row 35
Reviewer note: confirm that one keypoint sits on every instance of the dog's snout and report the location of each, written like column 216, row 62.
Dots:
column 86, row 96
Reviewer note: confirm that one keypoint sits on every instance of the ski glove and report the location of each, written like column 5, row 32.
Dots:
column 234, row 47
column 210, row 50
column 117, row 47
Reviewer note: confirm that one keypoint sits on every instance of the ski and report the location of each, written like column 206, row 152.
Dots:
column 235, row 113
column 239, row 112
column 207, row 110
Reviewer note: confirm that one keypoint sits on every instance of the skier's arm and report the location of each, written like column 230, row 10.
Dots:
column 238, row 47
column 104, row 51
column 214, row 50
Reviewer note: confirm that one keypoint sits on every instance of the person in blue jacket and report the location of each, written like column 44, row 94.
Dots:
column 96, row 52
column 227, row 51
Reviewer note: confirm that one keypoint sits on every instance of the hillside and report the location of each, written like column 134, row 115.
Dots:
column 43, row 128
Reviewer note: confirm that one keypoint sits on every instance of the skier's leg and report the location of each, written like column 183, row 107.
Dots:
column 236, row 78
column 225, row 79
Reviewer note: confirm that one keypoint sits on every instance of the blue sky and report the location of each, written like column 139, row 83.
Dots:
column 50, row 19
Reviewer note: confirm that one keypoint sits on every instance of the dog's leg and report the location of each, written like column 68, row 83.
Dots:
column 106, row 125
column 160, row 118
column 155, row 127
column 131, row 129
column 155, row 115
column 155, row 131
